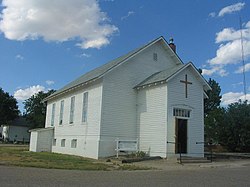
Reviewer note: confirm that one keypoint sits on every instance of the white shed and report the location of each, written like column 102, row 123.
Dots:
column 41, row 139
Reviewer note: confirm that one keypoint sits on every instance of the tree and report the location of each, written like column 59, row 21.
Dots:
column 212, row 111
column 8, row 107
column 214, row 122
column 235, row 131
column 35, row 109
column 214, row 97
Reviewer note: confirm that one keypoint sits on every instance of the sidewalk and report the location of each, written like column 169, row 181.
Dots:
column 165, row 164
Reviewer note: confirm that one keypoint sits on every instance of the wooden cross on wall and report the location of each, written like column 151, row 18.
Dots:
column 186, row 83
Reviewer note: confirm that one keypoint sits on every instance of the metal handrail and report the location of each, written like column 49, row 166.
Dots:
column 179, row 145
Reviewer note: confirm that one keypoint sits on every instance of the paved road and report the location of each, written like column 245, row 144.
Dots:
column 16, row 176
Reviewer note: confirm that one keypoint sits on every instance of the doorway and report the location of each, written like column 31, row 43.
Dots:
column 181, row 136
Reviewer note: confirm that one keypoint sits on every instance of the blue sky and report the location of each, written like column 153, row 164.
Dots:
column 46, row 44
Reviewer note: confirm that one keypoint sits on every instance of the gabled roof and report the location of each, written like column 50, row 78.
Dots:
column 160, row 76
column 102, row 70
column 41, row 129
column 168, row 74
column 20, row 121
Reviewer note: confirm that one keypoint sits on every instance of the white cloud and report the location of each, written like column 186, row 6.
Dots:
column 50, row 82
column 230, row 34
column 85, row 55
column 212, row 14
column 232, row 97
column 248, row 25
column 58, row 20
column 230, row 53
column 208, row 71
column 230, row 9
column 237, row 84
column 19, row 57
column 240, row 69
column 230, row 50
column 23, row 94
column 130, row 13
column 215, row 69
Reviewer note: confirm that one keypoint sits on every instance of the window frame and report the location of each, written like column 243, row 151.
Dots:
column 72, row 109
column 74, row 143
column 85, row 102
column 61, row 112
column 182, row 112
column 53, row 110
column 155, row 57
column 54, row 142
column 63, row 142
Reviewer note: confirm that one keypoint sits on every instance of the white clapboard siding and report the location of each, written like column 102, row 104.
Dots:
column 41, row 140
column 176, row 98
column 151, row 112
column 119, row 97
column 87, row 134
column 117, row 110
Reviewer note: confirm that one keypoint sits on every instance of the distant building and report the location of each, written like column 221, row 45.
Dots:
column 16, row 131
column 147, row 95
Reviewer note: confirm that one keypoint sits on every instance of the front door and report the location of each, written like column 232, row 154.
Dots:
column 181, row 136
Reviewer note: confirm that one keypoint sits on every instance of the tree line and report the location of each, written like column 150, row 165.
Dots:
column 228, row 126
column 34, row 109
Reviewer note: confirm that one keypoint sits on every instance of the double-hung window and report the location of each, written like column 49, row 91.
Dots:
column 63, row 142
column 54, row 142
column 53, row 114
column 72, row 110
column 74, row 143
column 85, row 107
column 61, row 113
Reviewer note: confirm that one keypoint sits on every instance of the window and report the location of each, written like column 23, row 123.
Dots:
column 72, row 110
column 181, row 112
column 155, row 57
column 54, row 142
column 61, row 113
column 63, row 143
column 53, row 114
column 85, row 107
column 73, row 143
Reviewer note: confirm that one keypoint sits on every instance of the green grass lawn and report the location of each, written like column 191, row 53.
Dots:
column 20, row 156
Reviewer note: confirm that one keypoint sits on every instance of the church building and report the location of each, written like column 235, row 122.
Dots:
column 148, row 95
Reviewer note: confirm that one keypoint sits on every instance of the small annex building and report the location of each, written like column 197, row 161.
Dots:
column 148, row 95
column 16, row 131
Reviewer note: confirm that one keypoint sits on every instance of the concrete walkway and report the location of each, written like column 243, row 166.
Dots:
column 165, row 164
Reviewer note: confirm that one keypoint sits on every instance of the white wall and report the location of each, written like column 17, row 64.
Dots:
column 176, row 98
column 152, row 120
column 18, row 133
column 119, row 97
column 45, row 140
column 41, row 140
column 33, row 141
column 87, row 134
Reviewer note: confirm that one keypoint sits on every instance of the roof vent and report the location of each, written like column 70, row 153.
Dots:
column 172, row 45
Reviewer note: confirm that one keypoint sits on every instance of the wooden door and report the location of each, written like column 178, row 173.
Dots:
column 181, row 136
